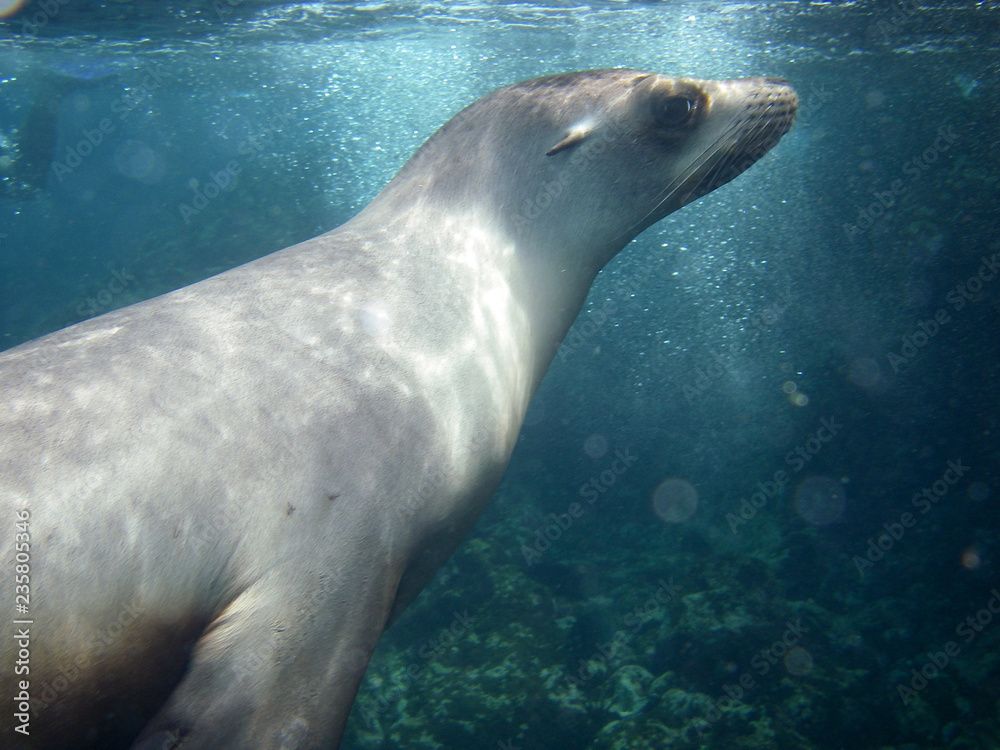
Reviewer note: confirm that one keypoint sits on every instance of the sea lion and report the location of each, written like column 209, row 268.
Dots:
column 222, row 495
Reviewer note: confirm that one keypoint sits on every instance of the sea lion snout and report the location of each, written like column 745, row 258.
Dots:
column 753, row 115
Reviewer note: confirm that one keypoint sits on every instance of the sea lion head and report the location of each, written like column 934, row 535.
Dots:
column 632, row 147
column 590, row 159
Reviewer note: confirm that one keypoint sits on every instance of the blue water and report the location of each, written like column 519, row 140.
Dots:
column 813, row 348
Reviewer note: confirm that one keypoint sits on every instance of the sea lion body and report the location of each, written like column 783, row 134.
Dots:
column 230, row 489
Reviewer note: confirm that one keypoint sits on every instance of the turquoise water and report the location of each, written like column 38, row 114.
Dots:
column 812, row 348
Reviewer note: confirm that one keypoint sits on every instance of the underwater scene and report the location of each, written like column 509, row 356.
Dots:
column 754, row 502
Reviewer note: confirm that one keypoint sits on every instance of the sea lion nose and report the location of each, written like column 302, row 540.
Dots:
column 766, row 109
column 771, row 103
column 780, row 92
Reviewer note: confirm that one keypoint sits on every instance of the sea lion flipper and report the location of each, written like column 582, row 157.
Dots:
column 249, row 687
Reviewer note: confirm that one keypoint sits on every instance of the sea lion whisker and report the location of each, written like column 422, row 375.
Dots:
column 670, row 190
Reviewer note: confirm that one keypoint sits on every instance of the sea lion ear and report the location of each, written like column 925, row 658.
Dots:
column 577, row 134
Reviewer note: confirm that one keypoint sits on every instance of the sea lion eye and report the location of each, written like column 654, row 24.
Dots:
column 674, row 111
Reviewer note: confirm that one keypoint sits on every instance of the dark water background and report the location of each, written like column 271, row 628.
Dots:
column 813, row 348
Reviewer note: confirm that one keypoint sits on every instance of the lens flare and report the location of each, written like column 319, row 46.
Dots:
column 675, row 500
